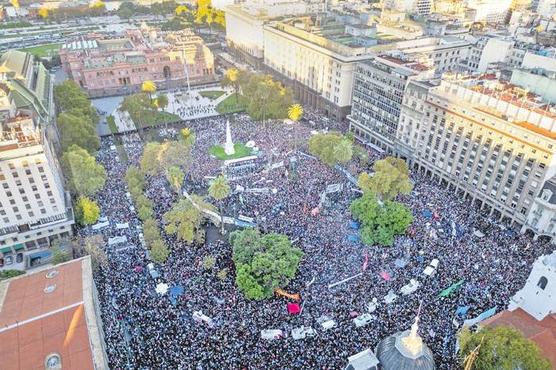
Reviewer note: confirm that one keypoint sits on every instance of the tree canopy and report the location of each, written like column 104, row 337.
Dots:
column 263, row 263
column 380, row 223
column 87, row 211
column 501, row 348
column 390, row 178
column 184, row 220
column 78, row 130
column 219, row 188
column 331, row 147
column 86, row 176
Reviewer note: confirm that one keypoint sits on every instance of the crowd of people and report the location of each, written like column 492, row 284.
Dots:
column 188, row 108
column 281, row 191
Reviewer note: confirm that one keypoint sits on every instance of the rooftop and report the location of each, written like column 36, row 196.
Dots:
column 543, row 332
column 50, row 312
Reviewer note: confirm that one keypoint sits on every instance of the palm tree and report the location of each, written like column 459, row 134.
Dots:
column 149, row 88
column 295, row 112
column 343, row 151
column 175, row 177
column 219, row 189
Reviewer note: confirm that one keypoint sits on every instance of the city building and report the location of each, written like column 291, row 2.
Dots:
column 532, row 310
column 50, row 319
column 378, row 89
column 316, row 57
column 104, row 65
column 244, row 24
column 35, row 209
column 491, row 141
column 489, row 11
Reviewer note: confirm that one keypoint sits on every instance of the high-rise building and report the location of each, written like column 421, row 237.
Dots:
column 378, row 88
column 34, row 207
column 491, row 141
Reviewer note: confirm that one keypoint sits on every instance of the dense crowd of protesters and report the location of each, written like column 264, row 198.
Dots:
column 282, row 191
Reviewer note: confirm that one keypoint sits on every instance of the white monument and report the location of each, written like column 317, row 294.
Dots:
column 229, row 146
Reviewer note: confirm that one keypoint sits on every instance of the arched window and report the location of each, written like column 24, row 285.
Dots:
column 166, row 71
column 542, row 282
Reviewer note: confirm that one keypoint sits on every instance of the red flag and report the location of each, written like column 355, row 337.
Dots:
column 366, row 263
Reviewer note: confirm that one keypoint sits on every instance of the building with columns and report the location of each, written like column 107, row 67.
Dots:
column 104, row 65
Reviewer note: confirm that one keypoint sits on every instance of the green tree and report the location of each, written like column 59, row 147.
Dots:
column 134, row 178
column 175, row 177
column 501, row 348
column 390, row 178
column 151, row 231
column 93, row 247
column 331, row 147
column 159, row 251
column 380, row 223
column 78, row 130
column 184, row 220
column 174, row 154
column 263, row 263
column 87, row 211
column 162, row 101
column 70, row 98
column 219, row 190
column 59, row 255
column 86, row 176
column 150, row 159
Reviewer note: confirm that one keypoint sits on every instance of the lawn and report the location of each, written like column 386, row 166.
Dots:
column 143, row 115
column 241, row 151
column 212, row 94
column 43, row 51
column 112, row 124
column 231, row 105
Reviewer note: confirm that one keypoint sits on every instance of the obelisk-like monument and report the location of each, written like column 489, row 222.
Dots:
column 229, row 146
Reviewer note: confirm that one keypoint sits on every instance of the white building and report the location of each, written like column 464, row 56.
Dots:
column 490, row 11
column 538, row 296
column 244, row 23
column 34, row 207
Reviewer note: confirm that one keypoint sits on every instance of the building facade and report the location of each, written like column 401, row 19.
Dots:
column 490, row 141
column 378, row 89
column 34, row 206
column 319, row 69
column 107, row 66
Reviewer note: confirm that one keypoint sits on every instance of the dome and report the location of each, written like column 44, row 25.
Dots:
column 405, row 351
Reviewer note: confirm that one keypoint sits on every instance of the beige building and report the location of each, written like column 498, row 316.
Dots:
column 492, row 142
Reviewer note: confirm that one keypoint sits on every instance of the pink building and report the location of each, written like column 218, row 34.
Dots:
column 104, row 65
